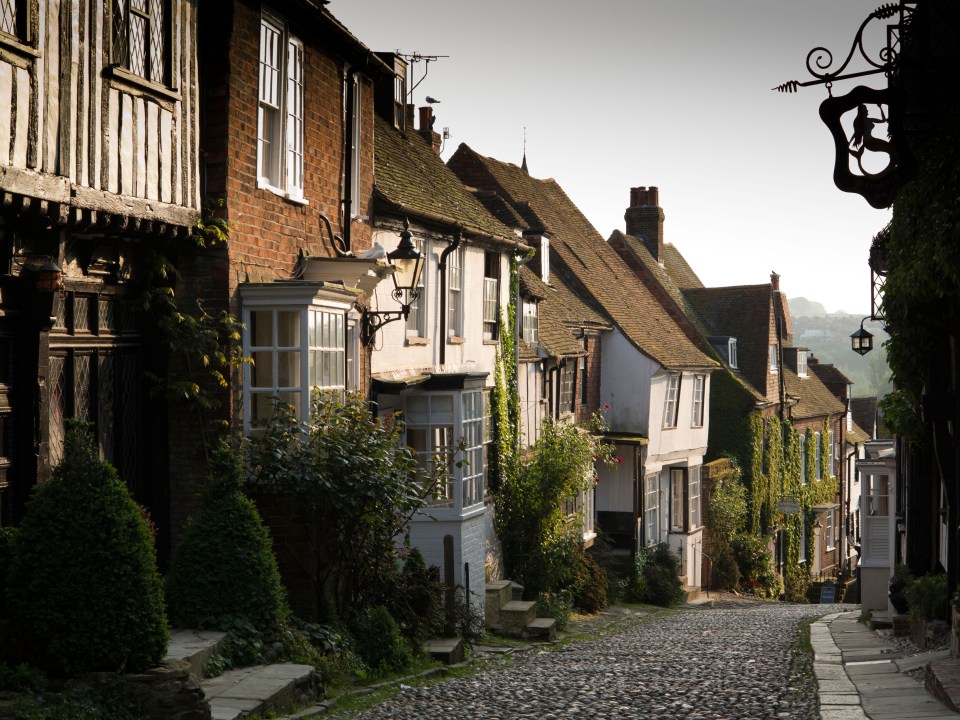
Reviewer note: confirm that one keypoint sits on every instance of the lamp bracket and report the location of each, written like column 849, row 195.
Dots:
column 373, row 320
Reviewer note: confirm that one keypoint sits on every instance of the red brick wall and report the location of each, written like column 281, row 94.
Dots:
column 266, row 231
column 593, row 381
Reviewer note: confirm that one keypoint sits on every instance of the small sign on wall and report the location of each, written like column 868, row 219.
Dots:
column 828, row 593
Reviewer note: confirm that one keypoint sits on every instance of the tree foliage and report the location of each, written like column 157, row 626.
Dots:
column 355, row 489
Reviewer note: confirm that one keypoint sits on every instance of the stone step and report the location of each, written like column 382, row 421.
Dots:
column 516, row 615
column 194, row 647
column 447, row 650
column 541, row 629
column 260, row 690
column 700, row 602
column 691, row 594
column 497, row 594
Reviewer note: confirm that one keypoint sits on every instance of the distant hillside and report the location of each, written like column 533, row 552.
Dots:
column 801, row 307
column 828, row 337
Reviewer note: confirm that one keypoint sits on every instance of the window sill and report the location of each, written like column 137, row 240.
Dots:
column 18, row 48
column 262, row 184
column 456, row 340
column 118, row 73
column 416, row 340
column 487, row 341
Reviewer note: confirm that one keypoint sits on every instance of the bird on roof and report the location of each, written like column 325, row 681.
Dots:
column 431, row 100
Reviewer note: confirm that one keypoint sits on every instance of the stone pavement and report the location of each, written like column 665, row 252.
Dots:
column 861, row 676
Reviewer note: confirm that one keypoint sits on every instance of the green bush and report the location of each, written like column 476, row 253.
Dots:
column 414, row 597
column 225, row 569
column 557, row 605
column 379, row 642
column 589, row 584
column 726, row 572
column 7, row 539
column 796, row 583
column 752, row 558
column 84, row 592
column 96, row 698
column 661, row 570
column 928, row 597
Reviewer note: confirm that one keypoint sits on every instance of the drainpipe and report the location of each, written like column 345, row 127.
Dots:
column 442, row 268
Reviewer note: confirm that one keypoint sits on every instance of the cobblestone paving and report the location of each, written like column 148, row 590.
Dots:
column 732, row 661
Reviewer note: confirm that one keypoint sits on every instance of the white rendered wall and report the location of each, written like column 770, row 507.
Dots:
column 468, row 547
column 625, row 375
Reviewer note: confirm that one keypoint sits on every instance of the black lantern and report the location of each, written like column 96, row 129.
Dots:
column 49, row 278
column 407, row 263
column 861, row 341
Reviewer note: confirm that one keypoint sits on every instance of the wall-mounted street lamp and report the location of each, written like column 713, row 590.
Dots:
column 861, row 341
column 407, row 262
column 49, row 277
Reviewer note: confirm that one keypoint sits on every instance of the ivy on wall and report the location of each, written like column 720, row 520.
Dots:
column 505, row 396
column 776, row 474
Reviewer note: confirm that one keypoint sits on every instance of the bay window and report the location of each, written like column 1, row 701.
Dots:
column 300, row 338
column 447, row 431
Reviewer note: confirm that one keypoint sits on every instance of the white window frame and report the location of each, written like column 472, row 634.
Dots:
column 280, row 110
column 802, row 554
column 416, row 322
column 774, row 359
column 693, row 495
column 803, row 458
column 671, row 401
column 545, row 259
column 831, row 530
column 356, row 149
column 455, row 277
column 651, row 509
column 732, row 353
column 678, row 504
column 818, row 458
column 801, row 363
column 491, row 296
column 316, row 359
column 696, row 407
column 567, row 374
column 530, row 322
column 831, row 456
column 582, row 374
column 467, row 421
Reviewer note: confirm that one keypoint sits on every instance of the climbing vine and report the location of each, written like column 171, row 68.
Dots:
column 505, row 396
column 758, row 481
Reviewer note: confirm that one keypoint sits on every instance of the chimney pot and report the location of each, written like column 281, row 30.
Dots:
column 634, row 192
column 644, row 219
column 774, row 282
column 653, row 196
column 426, row 116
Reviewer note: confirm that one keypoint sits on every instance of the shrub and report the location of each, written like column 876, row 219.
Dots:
column 556, row 605
column 726, row 572
column 796, row 583
column 84, row 592
column 7, row 539
column 752, row 558
column 928, row 597
column 379, row 642
column 661, row 570
column 225, row 569
column 414, row 597
column 589, row 584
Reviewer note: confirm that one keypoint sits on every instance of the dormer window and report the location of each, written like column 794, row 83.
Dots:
column 545, row 259
column 801, row 363
column 530, row 331
column 774, row 362
column 732, row 353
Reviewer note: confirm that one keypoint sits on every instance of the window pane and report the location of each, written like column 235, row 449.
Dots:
column 288, row 369
column 418, row 409
column 291, row 399
column 261, row 328
column 157, row 73
column 442, row 409
column 261, row 374
column 294, row 116
column 288, row 328
column 8, row 16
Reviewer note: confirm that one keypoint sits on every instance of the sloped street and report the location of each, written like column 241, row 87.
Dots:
column 731, row 661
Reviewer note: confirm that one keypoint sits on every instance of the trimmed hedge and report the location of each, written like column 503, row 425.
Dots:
column 84, row 593
column 225, row 569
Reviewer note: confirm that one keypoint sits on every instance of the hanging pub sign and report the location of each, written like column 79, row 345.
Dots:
column 865, row 125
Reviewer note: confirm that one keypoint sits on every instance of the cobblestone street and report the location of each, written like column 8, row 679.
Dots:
column 726, row 662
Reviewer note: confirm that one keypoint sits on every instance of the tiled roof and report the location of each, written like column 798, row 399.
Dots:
column 663, row 278
column 743, row 312
column 413, row 179
column 829, row 374
column 814, row 399
column 677, row 268
column 500, row 209
column 857, row 434
column 864, row 412
column 593, row 263
column 555, row 326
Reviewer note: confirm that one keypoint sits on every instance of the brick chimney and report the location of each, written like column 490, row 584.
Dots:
column 426, row 128
column 645, row 219
column 774, row 282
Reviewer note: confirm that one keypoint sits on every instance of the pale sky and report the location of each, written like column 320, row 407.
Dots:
column 617, row 94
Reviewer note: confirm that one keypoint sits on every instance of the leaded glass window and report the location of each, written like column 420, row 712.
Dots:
column 140, row 38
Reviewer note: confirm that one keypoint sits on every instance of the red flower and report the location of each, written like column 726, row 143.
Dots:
column 606, row 406
column 618, row 459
